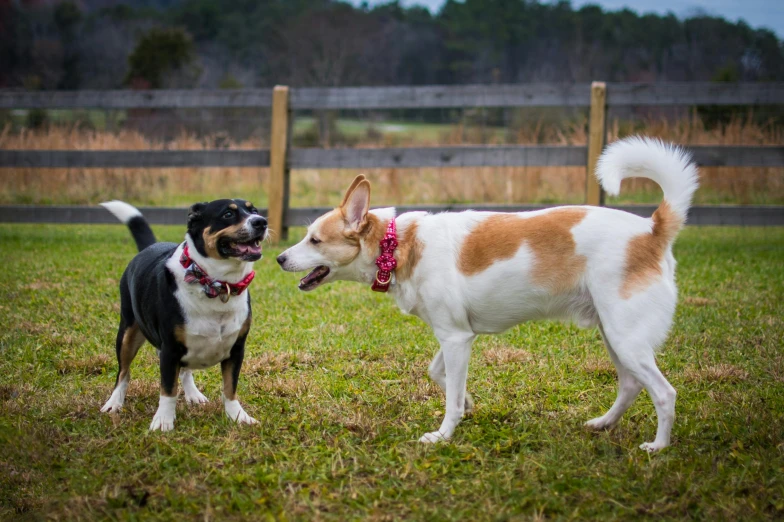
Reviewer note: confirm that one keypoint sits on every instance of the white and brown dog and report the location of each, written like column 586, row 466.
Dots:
column 472, row 273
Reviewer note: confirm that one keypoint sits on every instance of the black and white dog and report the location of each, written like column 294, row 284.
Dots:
column 189, row 301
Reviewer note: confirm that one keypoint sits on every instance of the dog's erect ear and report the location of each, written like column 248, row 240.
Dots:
column 194, row 214
column 357, row 204
column 354, row 184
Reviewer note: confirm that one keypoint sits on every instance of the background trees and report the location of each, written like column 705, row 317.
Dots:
column 98, row 44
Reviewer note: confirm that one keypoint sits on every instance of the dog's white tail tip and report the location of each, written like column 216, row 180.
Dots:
column 121, row 210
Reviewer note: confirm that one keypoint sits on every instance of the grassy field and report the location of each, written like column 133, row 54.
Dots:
column 337, row 380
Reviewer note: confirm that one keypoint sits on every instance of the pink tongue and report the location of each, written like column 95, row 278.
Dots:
column 246, row 248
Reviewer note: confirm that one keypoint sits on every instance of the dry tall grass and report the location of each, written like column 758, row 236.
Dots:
column 313, row 187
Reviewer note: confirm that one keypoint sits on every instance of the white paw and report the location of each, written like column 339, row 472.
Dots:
column 194, row 396
column 598, row 424
column 432, row 437
column 113, row 405
column 652, row 447
column 162, row 422
column 164, row 417
column 235, row 412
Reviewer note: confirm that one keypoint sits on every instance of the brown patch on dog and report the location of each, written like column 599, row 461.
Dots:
column 338, row 241
column 211, row 240
column 646, row 251
column 245, row 326
column 229, row 389
column 409, row 247
column 180, row 334
column 556, row 265
column 248, row 204
column 409, row 251
column 132, row 340
column 233, row 206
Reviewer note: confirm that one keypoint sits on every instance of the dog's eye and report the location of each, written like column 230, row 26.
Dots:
column 254, row 211
column 228, row 214
column 315, row 241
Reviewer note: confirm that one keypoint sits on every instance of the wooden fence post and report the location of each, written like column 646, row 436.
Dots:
column 278, row 193
column 597, row 134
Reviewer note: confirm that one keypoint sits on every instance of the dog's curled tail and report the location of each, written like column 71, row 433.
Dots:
column 130, row 215
column 668, row 165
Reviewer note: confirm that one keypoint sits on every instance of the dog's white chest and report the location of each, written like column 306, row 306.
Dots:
column 209, row 339
column 211, row 326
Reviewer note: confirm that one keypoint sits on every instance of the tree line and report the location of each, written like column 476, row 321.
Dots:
column 95, row 44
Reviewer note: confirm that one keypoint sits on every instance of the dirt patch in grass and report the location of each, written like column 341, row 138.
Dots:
column 500, row 355
column 93, row 365
column 722, row 373
column 698, row 301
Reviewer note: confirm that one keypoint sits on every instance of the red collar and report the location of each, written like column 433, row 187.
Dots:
column 386, row 262
column 212, row 287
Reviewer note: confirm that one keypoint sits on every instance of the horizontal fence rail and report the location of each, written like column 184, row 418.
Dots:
column 133, row 158
column 466, row 156
column 283, row 158
column 470, row 156
column 699, row 215
column 424, row 97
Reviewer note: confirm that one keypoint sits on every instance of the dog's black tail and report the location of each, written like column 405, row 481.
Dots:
column 130, row 215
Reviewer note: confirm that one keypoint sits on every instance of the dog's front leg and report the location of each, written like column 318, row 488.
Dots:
column 456, row 352
column 231, row 374
column 167, row 405
column 437, row 372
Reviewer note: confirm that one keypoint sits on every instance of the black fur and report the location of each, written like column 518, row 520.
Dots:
column 147, row 287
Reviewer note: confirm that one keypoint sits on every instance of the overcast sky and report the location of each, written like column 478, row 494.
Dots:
column 757, row 13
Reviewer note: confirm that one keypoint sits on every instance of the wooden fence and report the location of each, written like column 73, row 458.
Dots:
column 282, row 158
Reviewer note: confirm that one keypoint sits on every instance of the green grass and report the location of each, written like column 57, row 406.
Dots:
column 337, row 380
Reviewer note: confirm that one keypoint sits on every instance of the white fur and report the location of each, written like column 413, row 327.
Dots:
column 189, row 389
column 235, row 412
column 121, row 210
column 164, row 417
column 211, row 326
column 458, row 307
column 638, row 157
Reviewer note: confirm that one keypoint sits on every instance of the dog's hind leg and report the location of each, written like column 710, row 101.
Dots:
column 628, row 390
column 191, row 392
column 437, row 372
column 456, row 352
column 129, row 340
column 636, row 354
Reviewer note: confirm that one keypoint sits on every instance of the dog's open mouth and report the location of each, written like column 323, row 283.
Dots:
column 247, row 250
column 314, row 278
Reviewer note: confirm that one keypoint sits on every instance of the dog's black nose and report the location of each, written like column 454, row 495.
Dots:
column 259, row 223
column 281, row 259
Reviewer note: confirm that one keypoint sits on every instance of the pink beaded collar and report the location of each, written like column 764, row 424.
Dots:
column 386, row 262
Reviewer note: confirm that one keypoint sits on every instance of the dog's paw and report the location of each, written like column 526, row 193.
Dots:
column 652, row 447
column 162, row 422
column 113, row 405
column 235, row 412
column 194, row 396
column 432, row 437
column 599, row 424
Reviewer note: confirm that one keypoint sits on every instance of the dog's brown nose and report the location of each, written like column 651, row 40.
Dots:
column 281, row 259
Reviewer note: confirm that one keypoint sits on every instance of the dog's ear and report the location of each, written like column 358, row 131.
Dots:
column 354, row 184
column 357, row 204
column 194, row 214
